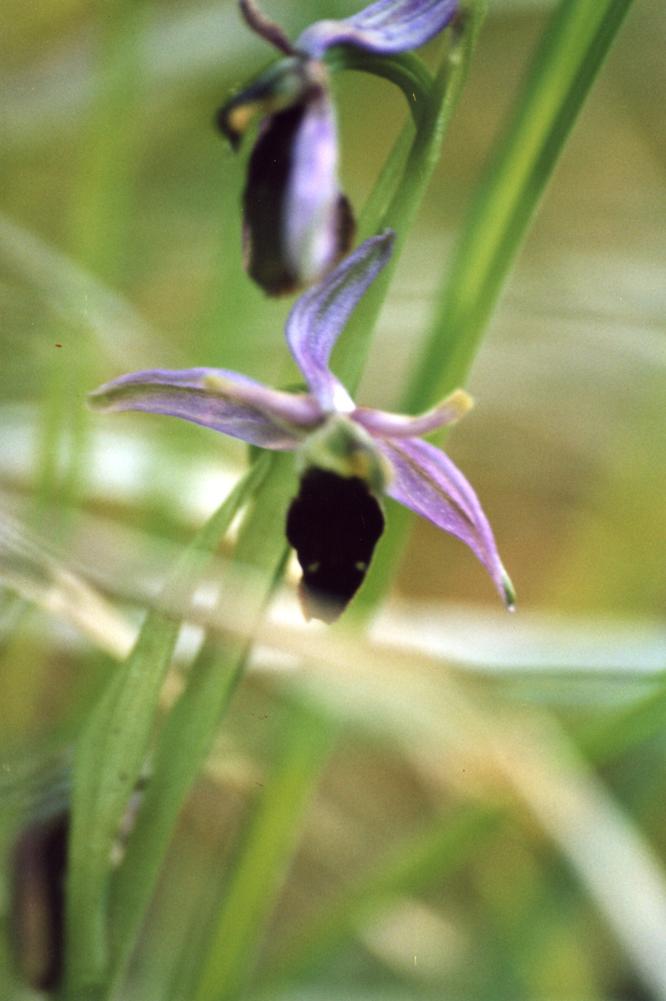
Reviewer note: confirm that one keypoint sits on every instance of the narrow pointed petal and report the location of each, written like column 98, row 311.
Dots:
column 242, row 409
column 264, row 26
column 297, row 222
column 428, row 482
column 383, row 424
column 294, row 409
column 320, row 315
column 385, row 27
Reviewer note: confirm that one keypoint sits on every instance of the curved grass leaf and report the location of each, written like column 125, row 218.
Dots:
column 617, row 732
column 111, row 753
column 568, row 58
column 573, row 47
column 191, row 727
column 415, row 864
column 413, row 181
column 264, row 856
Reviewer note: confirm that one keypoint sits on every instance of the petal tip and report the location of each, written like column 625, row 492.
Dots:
column 462, row 401
column 508, row 592
column 263, row 26
column 231, row 121
column 97, row 399
column 386, row 237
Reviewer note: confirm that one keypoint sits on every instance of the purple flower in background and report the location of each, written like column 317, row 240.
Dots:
column 37, row 912
column 350, row 455
column 297, row 222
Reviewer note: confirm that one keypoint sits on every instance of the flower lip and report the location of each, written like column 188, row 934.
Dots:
column 38, row 906
column 333, row 524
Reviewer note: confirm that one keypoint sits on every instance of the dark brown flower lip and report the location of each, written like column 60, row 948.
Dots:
column 334, row 524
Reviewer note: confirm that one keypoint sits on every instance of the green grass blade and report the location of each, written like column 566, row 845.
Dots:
column 96, row 234
column 190, row 729
column 264, row 856
column 423, row 157
column 185, row 741
column 572, row 50
column 111, row 752
column 615, row 733
column 379, row 199
column 417, row 863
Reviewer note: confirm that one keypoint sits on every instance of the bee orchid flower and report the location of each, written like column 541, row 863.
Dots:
column 350, row 456
column 297, row 222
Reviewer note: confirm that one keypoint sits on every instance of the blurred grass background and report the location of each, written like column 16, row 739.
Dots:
column 119, row 249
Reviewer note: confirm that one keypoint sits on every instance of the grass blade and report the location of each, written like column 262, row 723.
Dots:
column 617, row 732
column 572, row 50
column 190, row 729
column 111, row 752
column 423, row 157
column 568, row 58
column 414, row 864
column 264, row 857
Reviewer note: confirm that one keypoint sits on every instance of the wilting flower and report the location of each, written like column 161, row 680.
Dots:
column 350, row 455
column 37, row 911
column 297, row 222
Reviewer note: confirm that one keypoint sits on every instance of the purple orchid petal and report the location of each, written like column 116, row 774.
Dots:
column 215, row 398
column 385, row 27
column 387, row 425
column 264, row 26
column 318, row 223
column 427, row 482
column 297, row 222
column 319, row 317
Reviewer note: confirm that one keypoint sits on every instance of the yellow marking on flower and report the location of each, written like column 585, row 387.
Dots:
column 239, row 118
column 459, row 402
column 218, row 384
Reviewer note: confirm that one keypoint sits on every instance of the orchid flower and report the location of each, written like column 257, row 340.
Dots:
column 297, row 222
column 350, row 455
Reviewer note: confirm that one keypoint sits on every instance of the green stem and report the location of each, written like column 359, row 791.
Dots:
column 568, row 58
column 191, row 727
column 112, row 749
column 408, row 195
column 265, row 854
column 405, row 70
column 414, row 864
column 572, row 50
